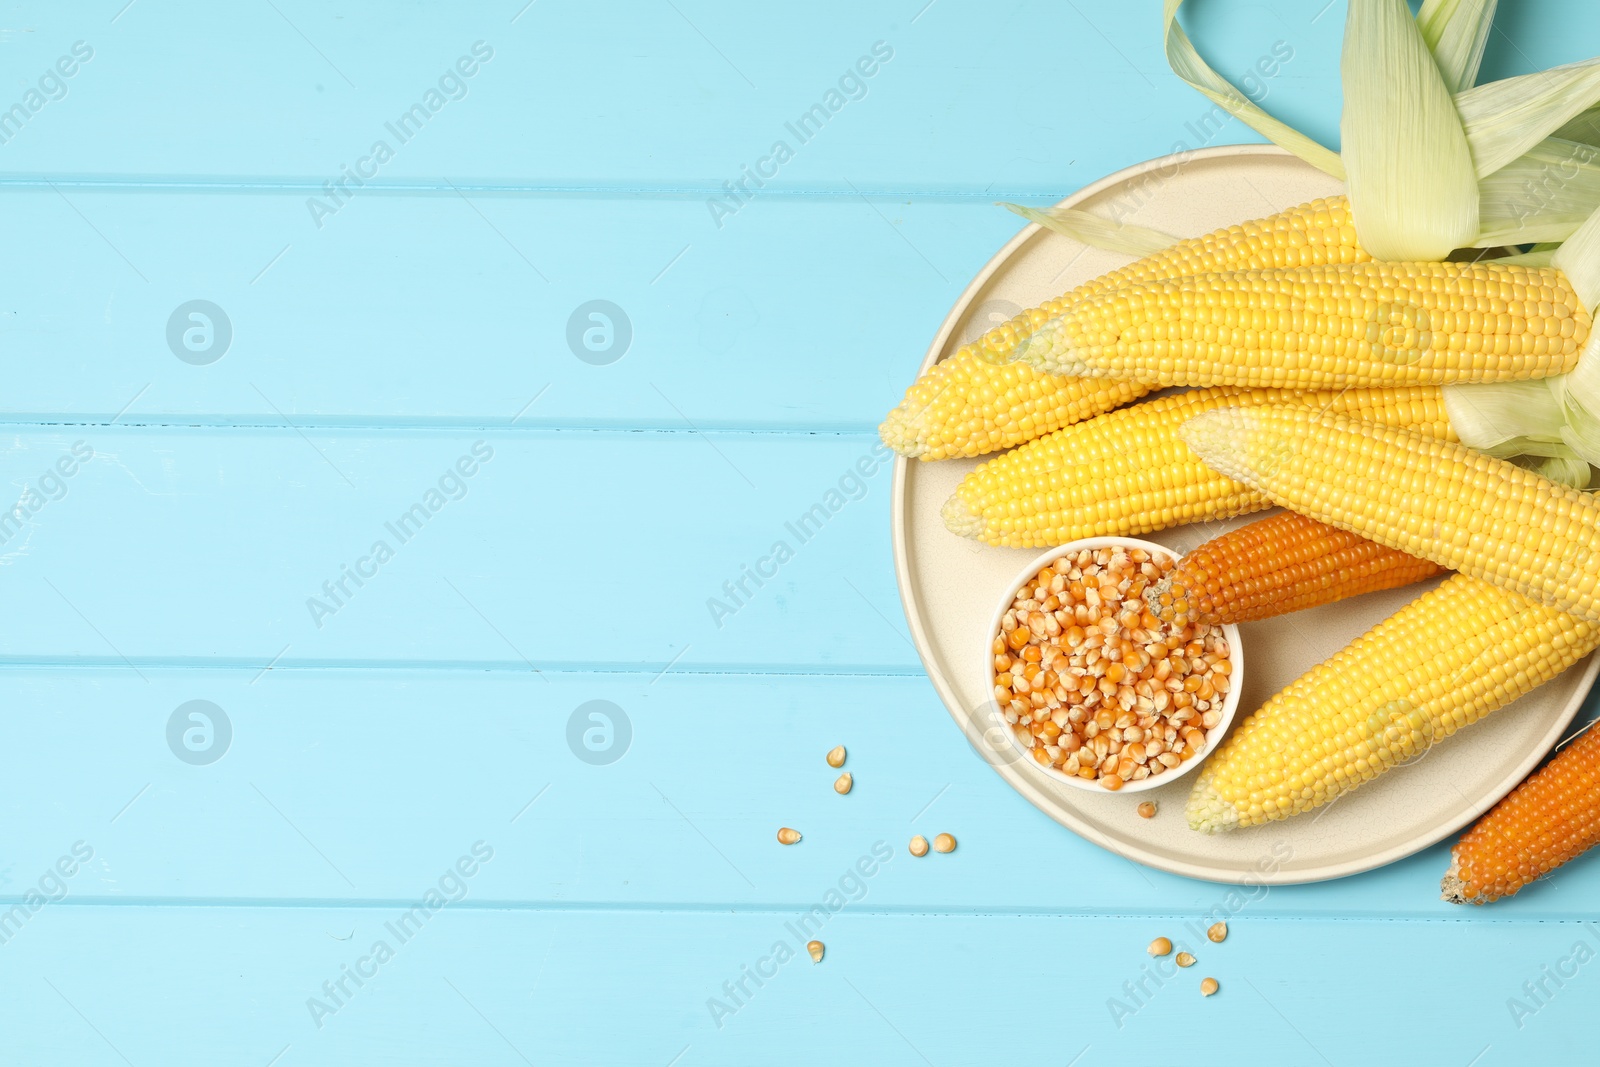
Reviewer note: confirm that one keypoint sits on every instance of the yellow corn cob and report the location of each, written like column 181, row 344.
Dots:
column 974, row 402
column 965, row 407
column 1127, row 472
column 1431, row 498
column 1445, row 661
column 1318, row 232
column 1325, row 327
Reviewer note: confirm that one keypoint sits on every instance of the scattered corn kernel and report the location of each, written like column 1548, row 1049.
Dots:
column 1160, row 946
column 944, row 843
column 836, row 756
column 1185, row 960
column 843, row 783
column 1147, row 810
column 1208, row 986
column 1218, row 933
column 919, row 846
column 815, row 948
column 787, row 836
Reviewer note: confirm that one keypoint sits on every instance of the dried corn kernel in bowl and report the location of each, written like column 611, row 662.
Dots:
column 1095, row 687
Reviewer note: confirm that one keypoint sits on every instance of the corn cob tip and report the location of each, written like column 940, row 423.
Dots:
column 1217, row 437
column 1207, row 811
column 1163, row 602
column 960, row 519
column 1453, row 889
column 901, row 435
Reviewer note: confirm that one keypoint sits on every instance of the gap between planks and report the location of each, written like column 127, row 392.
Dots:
column 664, row 190
column 723, row 910
column 15, row 422
column 574, row 669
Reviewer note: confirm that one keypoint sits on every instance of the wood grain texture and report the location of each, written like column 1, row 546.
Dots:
column 343, row 785
column 105, row 985
column 376, row 339
column 250, row 546
column 447, row 310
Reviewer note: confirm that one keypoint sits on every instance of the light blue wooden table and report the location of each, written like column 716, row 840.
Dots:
column 388, row 752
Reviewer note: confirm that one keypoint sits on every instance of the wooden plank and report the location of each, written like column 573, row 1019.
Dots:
column 438, row 310
column 380, row 748
column 559, row 549
column 347, row 785
column 116, row 985
column 294, row 91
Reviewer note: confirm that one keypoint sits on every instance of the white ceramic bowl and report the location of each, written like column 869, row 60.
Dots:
column 1025, row 757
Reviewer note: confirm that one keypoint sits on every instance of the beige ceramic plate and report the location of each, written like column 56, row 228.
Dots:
column 949, row 587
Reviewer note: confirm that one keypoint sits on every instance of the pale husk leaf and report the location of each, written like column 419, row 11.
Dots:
column 1186, row 63
column 1579, row 259
column 1097, row 232
column 1571, row 470
column 1456, row 32
column 1584, row 129
column 1544, row 195
column 1413, row 191
column 1504, row 119
column 1507, row 418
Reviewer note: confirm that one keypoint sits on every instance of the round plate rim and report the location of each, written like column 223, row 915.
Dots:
column 1029, row 791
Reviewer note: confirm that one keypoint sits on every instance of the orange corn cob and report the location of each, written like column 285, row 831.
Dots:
column 1439, row 499
column 1276, row 565
column 1549, row 819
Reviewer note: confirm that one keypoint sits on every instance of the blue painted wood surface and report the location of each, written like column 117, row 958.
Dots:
column 411, row 733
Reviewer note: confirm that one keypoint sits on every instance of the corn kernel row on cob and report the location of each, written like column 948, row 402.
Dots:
column 973, row 402
column 1445, row 661
column 1549, row 819
column 1318, row 232
column 1324, row 327
column 1127, row 472
column 1276, row 565
column 1432, row 498
column 965, row 407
